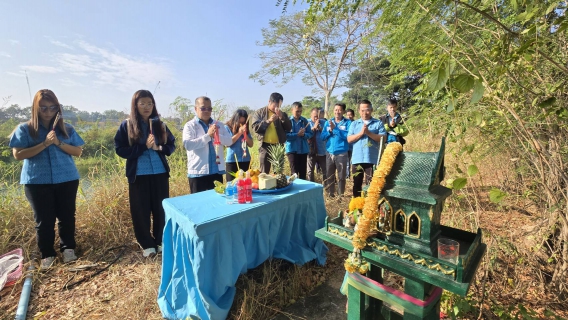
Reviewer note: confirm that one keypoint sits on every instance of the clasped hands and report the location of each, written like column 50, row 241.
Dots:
column 150, row 143
column 277, row 115
column 51, row 139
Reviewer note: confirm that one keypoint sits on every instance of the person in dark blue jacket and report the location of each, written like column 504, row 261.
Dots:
column 46, row 145
column 297, row 148
column 144, row 141
column 317, row 146
column 335, row 133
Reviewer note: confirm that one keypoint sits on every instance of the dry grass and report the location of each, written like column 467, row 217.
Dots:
column 128, row 289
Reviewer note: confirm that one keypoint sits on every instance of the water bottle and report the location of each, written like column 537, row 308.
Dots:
column 248, row 188
column 229, row 193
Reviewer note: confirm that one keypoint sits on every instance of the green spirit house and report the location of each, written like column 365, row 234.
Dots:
column 406, row 244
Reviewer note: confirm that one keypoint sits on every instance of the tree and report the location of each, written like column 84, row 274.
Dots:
column 182, row 109
column 376, row 80
column 319, row 52
column 494, row 71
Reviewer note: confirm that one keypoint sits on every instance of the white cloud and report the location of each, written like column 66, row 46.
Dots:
column 16, row 74
column 14, row 42
column 5, row 55
column 114, row 68
column 40, row 69
column 61, row 44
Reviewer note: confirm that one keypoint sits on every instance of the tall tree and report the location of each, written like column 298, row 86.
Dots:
column 495, row 71
column 319, row 52
column 377, row 80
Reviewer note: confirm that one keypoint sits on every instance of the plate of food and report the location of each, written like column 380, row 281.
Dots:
column 273, row 184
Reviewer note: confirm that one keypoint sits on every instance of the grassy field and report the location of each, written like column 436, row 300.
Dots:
column 507, row 285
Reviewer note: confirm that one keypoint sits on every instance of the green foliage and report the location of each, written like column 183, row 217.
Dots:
column 496, row 195
column 459, row 183
column 472, row 170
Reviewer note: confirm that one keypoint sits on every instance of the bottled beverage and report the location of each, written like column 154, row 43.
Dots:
column 229, row 193
column 248, row 188
column 241, row 190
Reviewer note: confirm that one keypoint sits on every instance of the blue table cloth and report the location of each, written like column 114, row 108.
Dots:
column 207, row 244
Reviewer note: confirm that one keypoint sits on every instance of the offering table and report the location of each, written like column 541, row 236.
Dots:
column 208, row 243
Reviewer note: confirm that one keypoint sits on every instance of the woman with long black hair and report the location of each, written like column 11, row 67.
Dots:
column 242, row 140
column 145, row 141
column 50, row 178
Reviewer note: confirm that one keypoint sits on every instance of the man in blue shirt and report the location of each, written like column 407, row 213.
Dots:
column 317, row 146
column 335, row 133
column 297, row 141
column 365, row 134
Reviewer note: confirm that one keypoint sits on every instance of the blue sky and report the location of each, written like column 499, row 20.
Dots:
column 95, row 54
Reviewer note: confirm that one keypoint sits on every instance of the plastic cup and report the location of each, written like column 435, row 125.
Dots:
column 448, row 250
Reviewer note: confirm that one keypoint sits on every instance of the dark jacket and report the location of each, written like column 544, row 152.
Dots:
column 259, row 125
column 132, row 152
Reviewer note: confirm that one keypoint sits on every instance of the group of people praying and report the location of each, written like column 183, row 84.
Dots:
column 340, row 147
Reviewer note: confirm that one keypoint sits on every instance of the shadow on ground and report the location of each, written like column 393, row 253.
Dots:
column 324, row 302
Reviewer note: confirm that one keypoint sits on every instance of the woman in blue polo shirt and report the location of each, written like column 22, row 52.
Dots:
column 50, row 178
column 365, row 135
column 237, row 126
column 144, row 141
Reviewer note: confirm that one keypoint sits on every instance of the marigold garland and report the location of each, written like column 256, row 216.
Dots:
column 370, row 217
column 356, row 203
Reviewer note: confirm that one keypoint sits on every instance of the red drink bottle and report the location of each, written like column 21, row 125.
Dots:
column 241, row 190
column 248, row 188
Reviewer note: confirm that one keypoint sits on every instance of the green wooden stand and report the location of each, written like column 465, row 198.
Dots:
column 409, row 229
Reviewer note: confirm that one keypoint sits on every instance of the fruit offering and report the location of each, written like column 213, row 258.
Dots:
column 219, row 187
column 277, row 156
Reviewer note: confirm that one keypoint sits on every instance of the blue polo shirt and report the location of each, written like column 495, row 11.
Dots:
column 336, row 140
column 295, row 143
column 149, row 162
column 319, row 141
column 213, row 167
column 236, row 149
column 366, row 150
column 52, row 165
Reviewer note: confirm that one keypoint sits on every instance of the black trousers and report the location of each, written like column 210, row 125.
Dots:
column 361, row 171
column 232, row 167
column 263, row 157
column 146, row 194
column 298, row 164
column 50, row 202
column 204, row 183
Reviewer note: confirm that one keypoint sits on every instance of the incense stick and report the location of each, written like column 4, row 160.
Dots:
column 57, row 116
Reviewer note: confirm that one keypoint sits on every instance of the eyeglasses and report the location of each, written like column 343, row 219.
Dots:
column 146, row 105
column 52, row 108
column 205, row 109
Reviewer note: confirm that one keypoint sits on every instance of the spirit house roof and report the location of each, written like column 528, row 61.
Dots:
column 416, row 176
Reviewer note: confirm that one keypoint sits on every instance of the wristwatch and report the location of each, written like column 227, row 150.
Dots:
column 61, row 143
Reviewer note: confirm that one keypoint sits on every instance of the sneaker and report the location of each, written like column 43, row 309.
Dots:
column 159, row 249
column 69, row 255
column 46, row 263
column 150, row 252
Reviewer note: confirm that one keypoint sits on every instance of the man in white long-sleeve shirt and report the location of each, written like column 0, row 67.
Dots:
column 205, row 160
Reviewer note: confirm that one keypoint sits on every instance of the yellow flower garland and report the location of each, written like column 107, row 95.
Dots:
column 369, row 219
